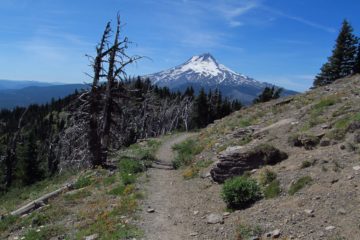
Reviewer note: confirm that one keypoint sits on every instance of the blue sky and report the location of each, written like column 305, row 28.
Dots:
column 279, row 41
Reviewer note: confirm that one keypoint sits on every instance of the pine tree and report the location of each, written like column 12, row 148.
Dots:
column 201, row 117
column 268, row 94
column 342, row 61
column 357, row 61
column 32, row 168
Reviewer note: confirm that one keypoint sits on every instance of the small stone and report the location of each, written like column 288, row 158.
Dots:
column 92, row 237
column 214, row 218
column 193, row 234
column 276, row 233
column 309, row 212
column 356, row 168
column 329, row 228
column 350, row 177
column 325, row 142
column 226, row 214
column 342, row 147
column 196, row 212
column 342, row 211
column 335, row 180
column 38, row 230
column 254, row 238
column 150, row 210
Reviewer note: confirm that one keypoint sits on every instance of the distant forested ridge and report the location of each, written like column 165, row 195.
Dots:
column 42, row 140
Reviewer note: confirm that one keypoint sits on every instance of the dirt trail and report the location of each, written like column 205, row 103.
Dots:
column 166, row 194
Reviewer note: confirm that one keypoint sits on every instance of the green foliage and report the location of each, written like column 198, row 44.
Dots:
column 7, row 222
column 268, row 94
column 130, row 165
column 266, row 176
column 299, row 184
column 240, row 192
column 245, row 232
column 186, row 151
column 128, row 178
column 343, row 59
column 83, row 181
column 118, row 190
column 43, row 233
column 272, row 190
column 306, row 164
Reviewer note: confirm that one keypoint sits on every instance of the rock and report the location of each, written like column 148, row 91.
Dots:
column 254, row 238
column 196, row 212
column 357, row 137
column 309, row 212
column 273, row 234
column 214, row 218
column 341, row 211
column 276, row 233
column 193, row 234
column 353, row 126
column 342, row 147
column 325, row 142
column 92, row 237
column 236, row 160
column 356, row 168
column 329, row 228
column 226, row 214
column 150, row 210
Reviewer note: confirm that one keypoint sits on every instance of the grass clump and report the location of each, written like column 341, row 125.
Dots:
column 73, row 197
column 43, row 233
column 83, row 181
column 7, row 222
column 245, row 232
column 299, row 184
column 240, row 192
column 186, row 151
column 306, row 164
column 272, row 190
column 266, row 176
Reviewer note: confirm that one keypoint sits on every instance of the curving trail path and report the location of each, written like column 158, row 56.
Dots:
column 167, row 195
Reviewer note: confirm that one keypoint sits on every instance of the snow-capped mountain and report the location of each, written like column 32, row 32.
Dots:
column 204, row 71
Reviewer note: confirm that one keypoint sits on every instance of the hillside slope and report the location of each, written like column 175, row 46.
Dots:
column 320, row 133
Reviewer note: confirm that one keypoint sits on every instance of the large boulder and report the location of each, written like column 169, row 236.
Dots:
column 236, row 160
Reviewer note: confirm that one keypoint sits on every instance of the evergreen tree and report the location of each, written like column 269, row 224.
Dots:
column 342, row 61
column 32, row 170
column 201, row 113
column 268, row 94
column 357, row 61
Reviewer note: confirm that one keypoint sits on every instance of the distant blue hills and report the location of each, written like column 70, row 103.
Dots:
column 24, row 93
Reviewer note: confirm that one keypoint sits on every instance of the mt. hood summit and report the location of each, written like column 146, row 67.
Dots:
column 204, row 71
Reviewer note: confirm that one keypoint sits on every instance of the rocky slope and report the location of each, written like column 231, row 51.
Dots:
column 320, row 133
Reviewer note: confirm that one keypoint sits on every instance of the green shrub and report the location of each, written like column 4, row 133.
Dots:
column 83, row 181
column 239, row 192
column 130, row 165
column 272, row 190
column 7, row 222
column 186, row 151
column 245, row 232
column 118, row 190
column 266, row 176
column 305, row 164
column 128, row 178
column 299, row 184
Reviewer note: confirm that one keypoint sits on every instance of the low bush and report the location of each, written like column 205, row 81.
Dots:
column 186, row 151
column 299, row 184
column 305, row 164
column 83, row 181
column 245, row 232
column 239, row 192
column 272, row 190
column 266, row 176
